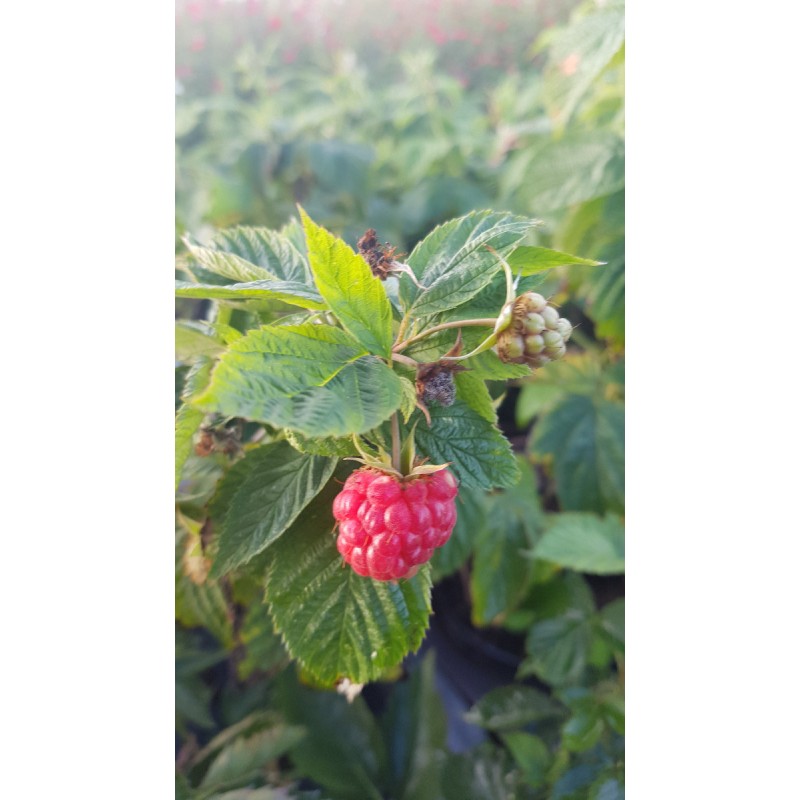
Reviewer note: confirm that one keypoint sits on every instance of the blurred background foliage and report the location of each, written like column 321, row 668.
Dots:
column 399, row 115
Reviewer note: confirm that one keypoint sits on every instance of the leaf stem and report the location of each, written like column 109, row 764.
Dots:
column 396, row 442
column 486, row 322
column 401, row 359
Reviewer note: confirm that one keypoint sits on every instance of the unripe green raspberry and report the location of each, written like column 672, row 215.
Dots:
column 533, row 323
column 552, row 339
column 539, row 361
column 551, row 318
column 565, row 328
column 534, row 344
column 532, row 301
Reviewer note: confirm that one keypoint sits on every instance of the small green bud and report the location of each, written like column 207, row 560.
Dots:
column 533, row 322
column 551, row 318
column 534, row 344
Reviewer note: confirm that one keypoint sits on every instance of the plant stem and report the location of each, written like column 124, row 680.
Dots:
column 401, row 359
column 461, row 323
column 396, row 442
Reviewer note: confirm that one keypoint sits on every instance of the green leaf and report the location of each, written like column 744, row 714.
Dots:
column 263, row 648
column 243, row 759
column 471, row 520
column 472, row 390
column 500, row 575
column 585, row 542
column 489, row 367
column 409, row 398
column 559, row 649
column 481, row 456
column 453, row 263
column 228, row 265
column 191, row 341
column 354, row 294
column 199, row 603
column 511, row 707
column 559, row 643
column 484, row 773
column 341, row 448
column 343, row 750
column 187, row 421
column 313, row 379
column 265, row 248
column 532, row 756
column 280, row 483
column 578, row 54
column 415, row 729
column 570, row 170
column 292, row 292
column 527, row 260
column 586, row 437
column 334, row 622
column 612, row 622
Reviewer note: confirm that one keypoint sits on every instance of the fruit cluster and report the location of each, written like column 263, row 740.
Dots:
column 388, row 526
column 536, row 334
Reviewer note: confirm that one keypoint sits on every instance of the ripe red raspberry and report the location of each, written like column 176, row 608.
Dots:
column 389, row 526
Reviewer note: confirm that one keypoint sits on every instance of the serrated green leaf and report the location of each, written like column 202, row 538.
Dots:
column 511, row 707
column 453, row 264
column 354, row 294
column 409, row 398
column 310, row 378
column 499, row 577
column 197, row 378
column 528, row 260
column 280, row 483
column 584, row 542
column 343, row 750
column 265, row 248
column 187, row 421
column 292, row 292
column 334, row 622
column 472, row 390
column 586, row 438
column 340, row 448
column 481, row 456
column 471, row 520
column 191, row 341
column 228, row 265
column 242, row 760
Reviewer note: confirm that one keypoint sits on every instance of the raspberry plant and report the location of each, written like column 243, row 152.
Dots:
column 312, row 357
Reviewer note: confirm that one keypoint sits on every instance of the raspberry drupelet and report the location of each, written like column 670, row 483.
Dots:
column 388, row 527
